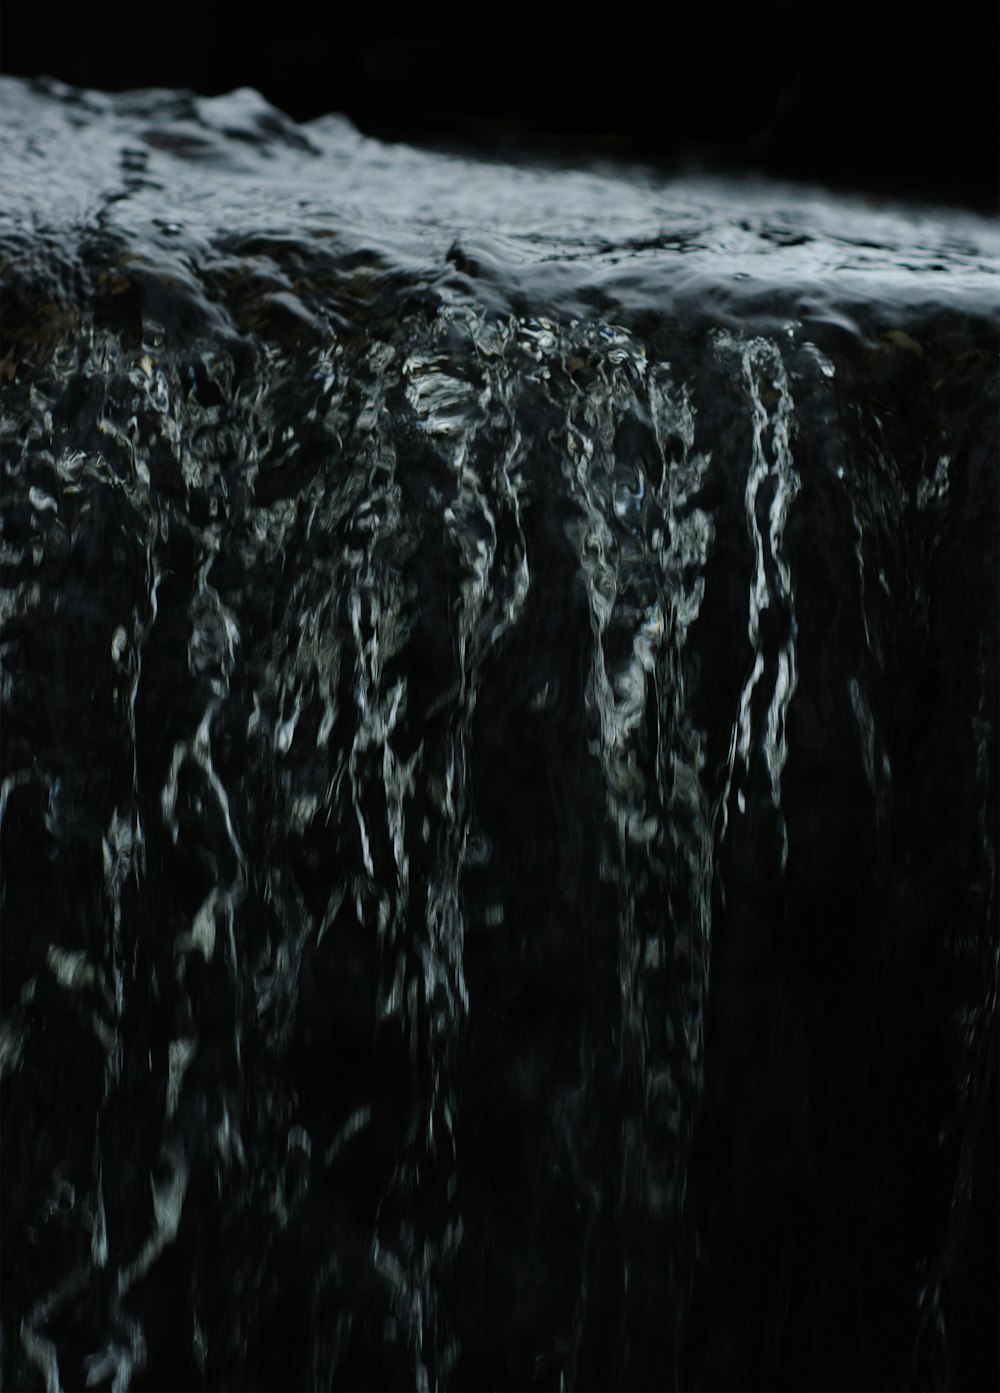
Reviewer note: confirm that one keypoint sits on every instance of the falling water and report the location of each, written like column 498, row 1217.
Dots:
column 499, row 782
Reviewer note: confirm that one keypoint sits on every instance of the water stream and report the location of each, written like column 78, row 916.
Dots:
column 499, row 789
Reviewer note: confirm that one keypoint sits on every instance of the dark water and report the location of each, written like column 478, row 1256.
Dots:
column 500, row 685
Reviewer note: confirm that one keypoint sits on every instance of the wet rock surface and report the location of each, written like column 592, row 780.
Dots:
column 499, row 768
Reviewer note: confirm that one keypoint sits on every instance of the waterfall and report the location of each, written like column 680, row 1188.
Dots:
column 499, row 789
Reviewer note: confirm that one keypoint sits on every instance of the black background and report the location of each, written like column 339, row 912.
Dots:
column 892, row 99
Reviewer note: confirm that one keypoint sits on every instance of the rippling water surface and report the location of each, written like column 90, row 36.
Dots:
column 499, row 767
